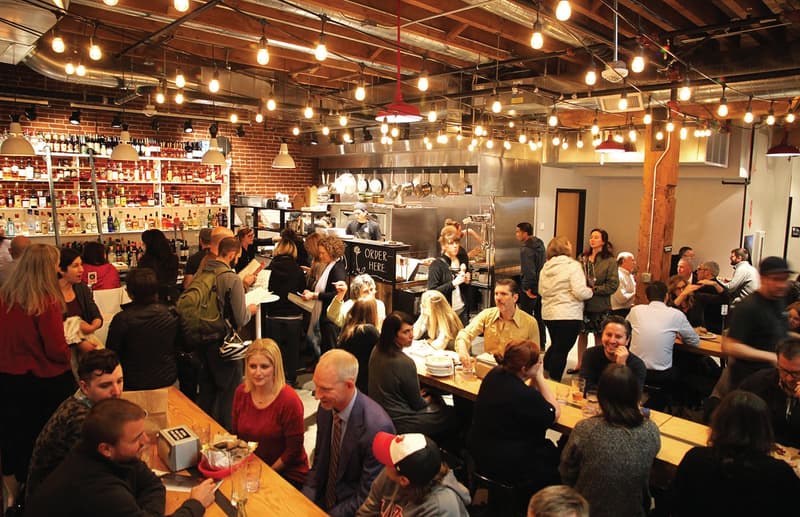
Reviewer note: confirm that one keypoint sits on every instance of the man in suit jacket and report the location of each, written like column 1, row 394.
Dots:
column 360, row 418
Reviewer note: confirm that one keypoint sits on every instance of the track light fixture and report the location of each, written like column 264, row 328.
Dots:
column 31, row 115
column 116, row 122
column 240, row 131
column 187, row 126
column 75, row 117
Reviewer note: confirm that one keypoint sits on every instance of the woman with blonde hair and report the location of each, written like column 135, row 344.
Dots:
column 562, row 286
column 268, row 411
column 437, row 320
column 35, row 374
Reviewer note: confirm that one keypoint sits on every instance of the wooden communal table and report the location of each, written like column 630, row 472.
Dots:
column 276, row 496
column 707, row 346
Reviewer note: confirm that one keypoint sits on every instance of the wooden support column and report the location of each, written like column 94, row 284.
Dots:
column 659, row 179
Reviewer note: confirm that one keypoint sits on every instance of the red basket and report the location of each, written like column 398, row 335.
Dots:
column 208, row 472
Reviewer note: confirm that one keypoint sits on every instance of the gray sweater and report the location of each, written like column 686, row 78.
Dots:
column 610, row 466
column 230, row 287
column 386, row 497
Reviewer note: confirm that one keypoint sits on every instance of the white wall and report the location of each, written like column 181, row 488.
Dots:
column 793, row 248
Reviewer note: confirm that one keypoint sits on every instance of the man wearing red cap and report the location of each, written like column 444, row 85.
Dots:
column 415, row 481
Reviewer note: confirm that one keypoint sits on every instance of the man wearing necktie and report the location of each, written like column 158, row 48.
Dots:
column 347, row 421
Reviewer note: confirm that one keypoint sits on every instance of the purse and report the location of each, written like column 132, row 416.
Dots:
column 233, row 347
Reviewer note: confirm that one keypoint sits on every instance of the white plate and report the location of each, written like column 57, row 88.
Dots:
column 708, row 335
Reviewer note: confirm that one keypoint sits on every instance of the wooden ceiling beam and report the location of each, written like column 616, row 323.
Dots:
column 699, row 13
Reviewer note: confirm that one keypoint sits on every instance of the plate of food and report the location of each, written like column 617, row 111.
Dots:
column 707, row 335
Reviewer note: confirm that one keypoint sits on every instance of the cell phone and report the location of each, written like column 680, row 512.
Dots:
column 178, row 483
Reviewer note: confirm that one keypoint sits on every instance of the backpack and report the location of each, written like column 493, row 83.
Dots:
column 201, row 313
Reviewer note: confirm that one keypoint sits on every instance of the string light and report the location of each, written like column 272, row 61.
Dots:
column 321, row 52
column 259, row 117
column 57, row 44
column 684, row 133
column 771, row 115
column 326, row 130
column 648, row 114
column 685, row 92
column 262, row 57
column 422, row 81
column 361, row 91
column 637, row 65
column 722, row 109
column 161, row 96
column 497, row 107
column 234, row 118
column 213, row 85
column 552, row 120
column 537, row 39
column 507, row 144
column 180, row 80
column 179, row 97
column 343, row 120
column 80, row 70
column 556, row 140
column 432, row 115
column 790, row 116
column 623, row 101
column 479, row 130
column 591, row 76
column 69, row 68
column 181, row 5
column 295, row 130
column 95, row 54
column 523, row 138
column 595, row 126
column 748, row 115
column 271, row 104
column 394, row 132
column 563, row 10
column 384, row 127
column 579, row 143
column 490, row 143
column 308, row 111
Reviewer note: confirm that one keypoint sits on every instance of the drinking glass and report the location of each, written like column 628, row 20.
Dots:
column 252, row 470
column 578, row 387
column 592, row 406
column 468, row 368
column 562, row 393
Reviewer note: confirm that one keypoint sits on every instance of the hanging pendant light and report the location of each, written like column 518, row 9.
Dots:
column 398, row 111
column 213, row 156
column 283, row 160
column 16, row 144
column 610, row 146
column 782, row 150
column 124, row 151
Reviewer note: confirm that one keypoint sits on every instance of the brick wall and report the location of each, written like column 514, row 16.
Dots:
column 251, row 155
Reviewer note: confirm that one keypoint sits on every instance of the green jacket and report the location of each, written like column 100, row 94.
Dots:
column 606, row 283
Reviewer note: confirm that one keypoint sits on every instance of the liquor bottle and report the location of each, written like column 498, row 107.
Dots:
column 70, row 223
column 114, row 223
column 37, row 222
column 10, row 229
column 209, row 219
column 31, row 222
column 109, row 222
column 123, row 201
column 208, row 199
column 82, row 223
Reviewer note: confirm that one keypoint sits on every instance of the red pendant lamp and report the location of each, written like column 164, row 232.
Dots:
column 398, row 111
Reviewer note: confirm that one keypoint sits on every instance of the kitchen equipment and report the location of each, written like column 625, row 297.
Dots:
column 408, row 188
column 362, row 184
column 394, row 189
column 426, row 188
column 445, row 185
column 178, row 447
column 375, row 184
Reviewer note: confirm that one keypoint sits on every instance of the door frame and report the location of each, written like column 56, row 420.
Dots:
column 581, row 216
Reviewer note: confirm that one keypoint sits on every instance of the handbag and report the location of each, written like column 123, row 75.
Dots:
column 233, row 347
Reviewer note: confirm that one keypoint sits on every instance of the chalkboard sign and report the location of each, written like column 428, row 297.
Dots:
column 376, row 260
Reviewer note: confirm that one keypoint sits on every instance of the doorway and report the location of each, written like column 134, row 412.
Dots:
column 570, row 214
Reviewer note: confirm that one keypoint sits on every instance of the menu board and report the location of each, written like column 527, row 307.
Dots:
column 374, row 259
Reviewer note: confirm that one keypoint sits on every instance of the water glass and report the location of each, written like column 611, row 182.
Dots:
column 562, row 393
column 252, row 470
column 592, row 406
column 468, row 368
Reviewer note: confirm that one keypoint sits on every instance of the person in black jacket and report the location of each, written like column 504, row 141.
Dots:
column 159, row 256
column 103, row 475
column 284, row 320
column 143, row 335
column 448, row 272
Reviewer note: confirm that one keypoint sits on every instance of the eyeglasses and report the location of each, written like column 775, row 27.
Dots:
column 794, row 375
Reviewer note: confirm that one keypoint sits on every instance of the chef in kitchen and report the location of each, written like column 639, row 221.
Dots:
column 363, row 227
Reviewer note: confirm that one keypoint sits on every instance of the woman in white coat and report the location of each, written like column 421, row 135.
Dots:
column 562, row 286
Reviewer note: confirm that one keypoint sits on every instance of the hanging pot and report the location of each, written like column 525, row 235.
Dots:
column 375, row 184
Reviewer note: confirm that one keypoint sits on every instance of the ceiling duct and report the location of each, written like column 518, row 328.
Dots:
column 23, row 24
column 610, row 103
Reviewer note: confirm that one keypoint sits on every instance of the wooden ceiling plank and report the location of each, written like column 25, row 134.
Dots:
column 696, row 12
column 649, row 13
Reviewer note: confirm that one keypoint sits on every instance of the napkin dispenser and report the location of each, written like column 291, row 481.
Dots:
column 178, row 448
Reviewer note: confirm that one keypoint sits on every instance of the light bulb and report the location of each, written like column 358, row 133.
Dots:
column 511, row 123
column 80, row 70
column 473, row 142
column 459, row 136
column 111, row 3
column 58, row 45
column 771, row 118
column 659, row 135
column 160, row 97
column 69, row 68
column 95, row 54
column 790, row 117
column 422, row 82
column 234, row 118
column 507, row 145
column 564, row 144
column 259, row 118
column 532, row 145
column 623, row 102
column 343, row 120
column 395, row 132
column 389, row 140
column 722, row 110
column 618, row 138
column 595, row 128
column 478, row 130
column 670, row 126
column 384, row 127
column 263, row 55
column 489, row 143
column 522, row 138
column 632, row 135
column 556, row 140
column 346, row 137
column 295, row 130
column 308, row 112
column 563, row 10
column 426, row 139
column 684, row 133
column 432, row 115
column 181, row 5
column 471, row 148
column 748, row 115
column 361, row 93
column 648, row 118
column 591, row 77
column 321, row 52
column 442, row 138
column 496, row 106
column 684, row 93
column 271, row 105
column 537, row 39
column 213, row 86
column 552, row 120
column 637, row 65
column 180, row 80
column 579, row 143
column 179, row 97
column 326, row 130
